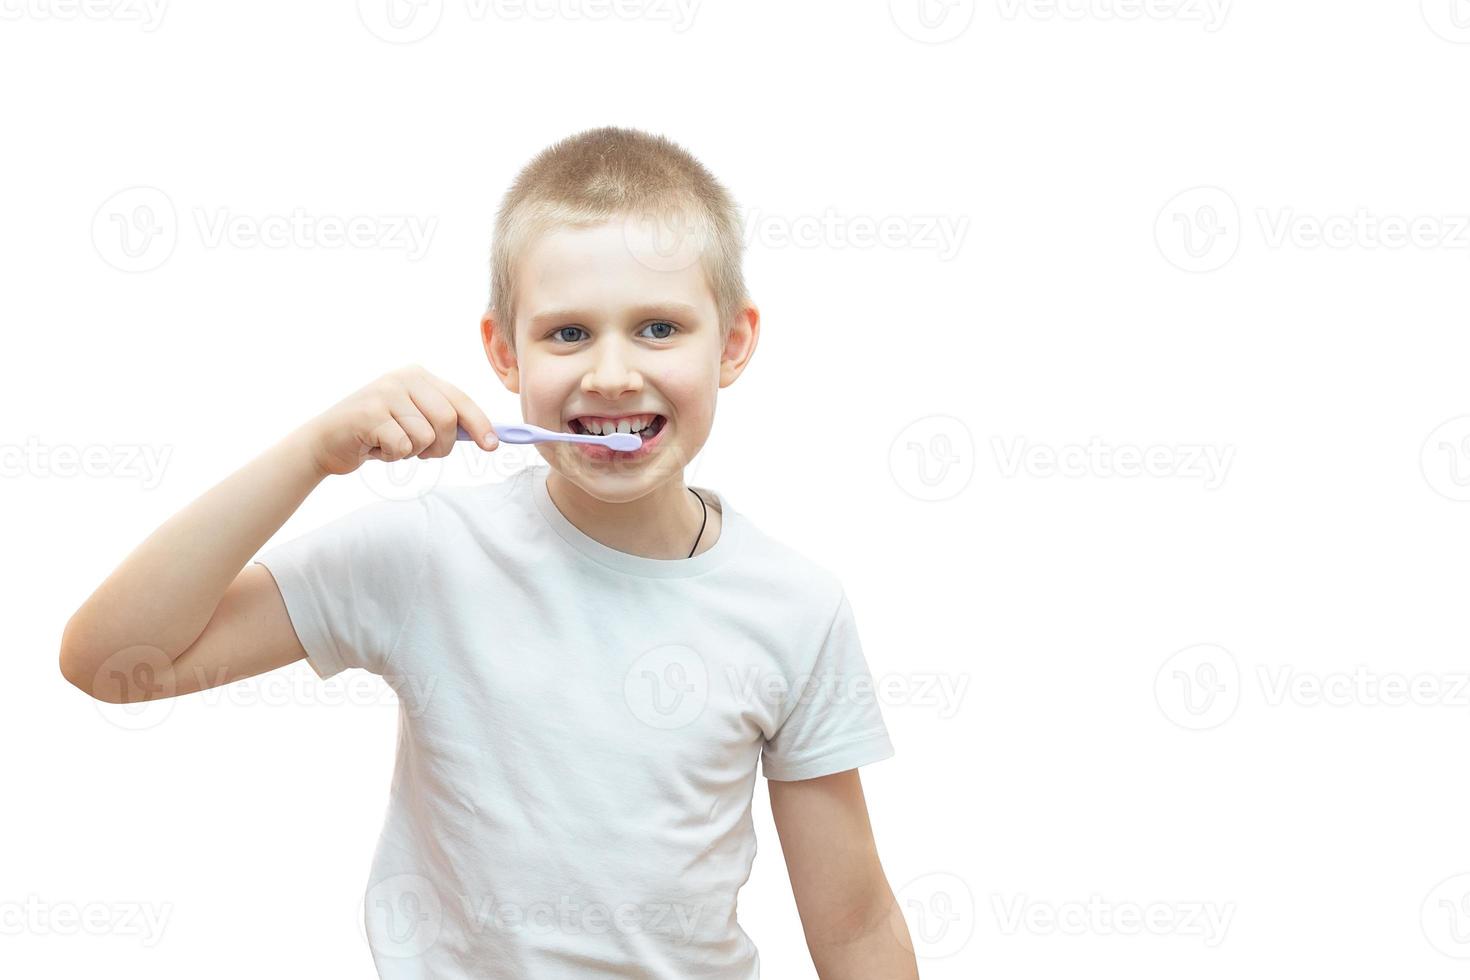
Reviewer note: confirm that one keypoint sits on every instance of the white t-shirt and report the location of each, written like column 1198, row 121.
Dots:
column 578, row 726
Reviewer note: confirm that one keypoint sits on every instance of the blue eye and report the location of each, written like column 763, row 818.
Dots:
column 557, row 334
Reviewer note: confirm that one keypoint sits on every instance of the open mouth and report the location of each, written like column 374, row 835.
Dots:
column 646, row 432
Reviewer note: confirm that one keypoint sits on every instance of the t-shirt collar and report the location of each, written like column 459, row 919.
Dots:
column 723, row 549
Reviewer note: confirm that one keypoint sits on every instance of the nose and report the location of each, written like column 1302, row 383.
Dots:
column 611, row 375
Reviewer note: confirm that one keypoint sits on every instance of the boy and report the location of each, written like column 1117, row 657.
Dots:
column 589, row 656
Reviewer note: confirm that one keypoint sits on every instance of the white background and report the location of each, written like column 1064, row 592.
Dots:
column 1228, row 231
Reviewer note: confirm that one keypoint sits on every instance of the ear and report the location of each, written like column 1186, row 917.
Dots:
column 498, row 348
column 740, row 344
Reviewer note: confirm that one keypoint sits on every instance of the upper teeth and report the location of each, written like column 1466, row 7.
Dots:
column 603, row 427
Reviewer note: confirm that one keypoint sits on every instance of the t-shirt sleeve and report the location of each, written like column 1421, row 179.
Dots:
column 349, row 585
column 835, row 722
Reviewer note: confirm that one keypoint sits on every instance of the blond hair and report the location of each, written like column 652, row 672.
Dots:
column 614, row 173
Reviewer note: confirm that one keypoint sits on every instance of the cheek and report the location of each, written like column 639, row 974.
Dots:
column 544, row 387
column 690, row 397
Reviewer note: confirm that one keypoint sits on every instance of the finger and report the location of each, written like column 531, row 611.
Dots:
column 475, row 421
column 390, row 442
column 410, row 419
column 436, row 408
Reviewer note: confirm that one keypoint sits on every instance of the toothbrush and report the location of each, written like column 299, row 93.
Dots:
column 522, row 433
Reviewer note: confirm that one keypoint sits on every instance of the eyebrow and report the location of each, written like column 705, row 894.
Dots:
column 681, row 311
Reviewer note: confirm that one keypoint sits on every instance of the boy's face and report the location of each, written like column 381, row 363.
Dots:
column 610, row 324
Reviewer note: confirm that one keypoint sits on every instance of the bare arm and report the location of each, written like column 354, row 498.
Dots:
column 125, row 640
column 179, row 614
column 853, row 925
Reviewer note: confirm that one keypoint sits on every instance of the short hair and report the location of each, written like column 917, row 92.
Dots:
column 616, row 173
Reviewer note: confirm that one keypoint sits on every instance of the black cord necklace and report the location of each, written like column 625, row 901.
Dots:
column 701, row 522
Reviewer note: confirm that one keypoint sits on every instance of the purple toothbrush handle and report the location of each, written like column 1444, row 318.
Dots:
column 519, row 434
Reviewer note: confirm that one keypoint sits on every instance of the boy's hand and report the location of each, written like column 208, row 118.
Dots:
column 407, row 412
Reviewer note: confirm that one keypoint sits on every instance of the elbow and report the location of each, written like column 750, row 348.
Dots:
column 80, row 672
column 140, row 672
column 84, row 670
column 70, row 661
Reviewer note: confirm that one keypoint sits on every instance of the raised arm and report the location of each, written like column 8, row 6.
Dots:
column 184, row 585
column 179, row 614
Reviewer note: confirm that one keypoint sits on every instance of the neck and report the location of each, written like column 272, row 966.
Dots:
column 662, row 523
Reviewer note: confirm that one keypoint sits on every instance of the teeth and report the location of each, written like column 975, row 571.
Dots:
column 601, row 427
